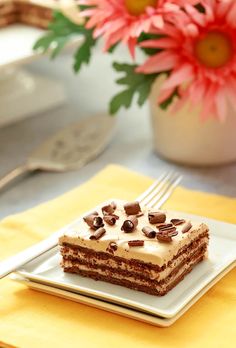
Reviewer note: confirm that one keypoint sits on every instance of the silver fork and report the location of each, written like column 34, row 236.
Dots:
column 159, row 192
column 153, row 197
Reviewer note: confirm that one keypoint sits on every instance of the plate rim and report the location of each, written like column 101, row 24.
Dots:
column 141, row 316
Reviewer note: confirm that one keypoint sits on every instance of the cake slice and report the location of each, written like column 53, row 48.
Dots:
column 132, row 246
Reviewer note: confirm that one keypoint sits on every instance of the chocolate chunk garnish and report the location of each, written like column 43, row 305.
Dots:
column 164, row 226
column 93, row 221
column 168, row 229
column 112, row 247
column 132, row 208
column 139, row 215
column 109, row 208
column 89, row 219
column 110, row 220
column 116, row 216
column 164, row 238
column 177, row 222
column 172, row 233
column 156, row 217
column 98, row 222
column 186, row 227
column 98, row 234
column 130, row 224
column 94, row 213
column 149, row 232
column 136, row 243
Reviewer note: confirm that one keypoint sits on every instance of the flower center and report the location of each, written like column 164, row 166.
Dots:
column 137, row 7
column 214, row 50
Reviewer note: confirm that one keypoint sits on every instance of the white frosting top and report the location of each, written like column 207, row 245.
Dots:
column 154, row 251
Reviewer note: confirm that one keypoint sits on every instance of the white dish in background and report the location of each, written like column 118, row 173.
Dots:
column 16, row 42
column 31, row 93
column 222, row 256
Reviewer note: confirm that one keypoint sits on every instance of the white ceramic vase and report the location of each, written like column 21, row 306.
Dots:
column 182, row 137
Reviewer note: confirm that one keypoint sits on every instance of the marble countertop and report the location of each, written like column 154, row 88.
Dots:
column 131, row 146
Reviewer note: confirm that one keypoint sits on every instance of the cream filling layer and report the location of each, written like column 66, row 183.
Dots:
column 131, row 268
column 142, row 282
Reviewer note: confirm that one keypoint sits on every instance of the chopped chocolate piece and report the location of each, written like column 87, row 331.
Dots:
column 112, row 247
column 139, row 215
column 110, row 220
column 116, row 216
column 109, row 209
column 162, row 227
column 172, row 233
column 98, row 234
column 130, row 224
column 156, row 217
column 132, row 208
column 187, row 227
column 168, row 229
column 149, row 232
column 89, row 219
column 94, row 213
column 98, row 222
column 93, row 221
column 177, row 222
column 136, row 243
column 164, row 238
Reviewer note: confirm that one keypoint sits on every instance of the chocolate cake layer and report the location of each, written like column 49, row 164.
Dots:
column 130, row 272
column 148, row 287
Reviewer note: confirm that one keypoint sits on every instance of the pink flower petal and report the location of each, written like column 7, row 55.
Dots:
column 231, row 16
column 208, row 102
column 195, row 15
column 221, row 107
column 180, row 75
column 157, row 21
column 165, row 94
column 131, row 45
column 160, row 43
column 163, row 61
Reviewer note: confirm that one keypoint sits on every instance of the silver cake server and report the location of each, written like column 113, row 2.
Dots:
column 69, row 149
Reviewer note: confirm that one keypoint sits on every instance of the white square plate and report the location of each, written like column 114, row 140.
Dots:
column 222, row 257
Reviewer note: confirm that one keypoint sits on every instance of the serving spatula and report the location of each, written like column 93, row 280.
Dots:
column 69, row 149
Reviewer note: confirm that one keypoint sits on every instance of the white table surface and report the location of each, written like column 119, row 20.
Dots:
column 131, row 147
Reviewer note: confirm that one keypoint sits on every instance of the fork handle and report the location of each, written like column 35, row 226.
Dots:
column 13, row 175
column 16, row 261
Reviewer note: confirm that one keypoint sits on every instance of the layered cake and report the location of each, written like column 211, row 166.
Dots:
column 32, row 12
column 132, row 246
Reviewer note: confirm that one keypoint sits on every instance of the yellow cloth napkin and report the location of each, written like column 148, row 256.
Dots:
column 32, row 319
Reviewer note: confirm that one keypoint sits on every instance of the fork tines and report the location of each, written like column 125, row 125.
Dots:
column 158, row 193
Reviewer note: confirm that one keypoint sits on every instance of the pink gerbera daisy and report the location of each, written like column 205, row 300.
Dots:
column 125, row 20
column 199, row 51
